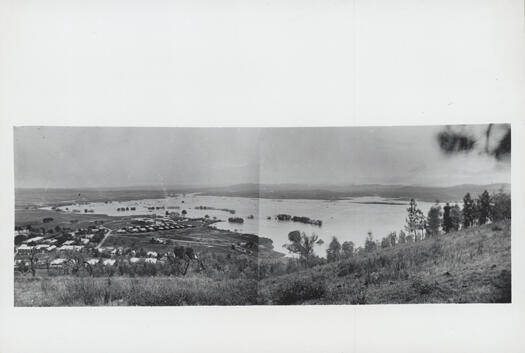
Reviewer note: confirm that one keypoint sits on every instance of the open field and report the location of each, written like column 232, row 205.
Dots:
column 201, row 238
column 58, row 197
column 34, row 217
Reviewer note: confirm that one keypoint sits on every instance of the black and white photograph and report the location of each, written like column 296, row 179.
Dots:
column 334, row 176
column 258, row 216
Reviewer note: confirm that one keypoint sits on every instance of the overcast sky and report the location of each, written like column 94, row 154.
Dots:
column 255, row 63
column 95, row 157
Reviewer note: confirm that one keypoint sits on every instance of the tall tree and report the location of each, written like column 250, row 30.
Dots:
column 468, row 211
column 33, row 260
column 370, row 244
column 402, row 237
column 434, row 220
column 447, row 225
column 348, row 249
column 484, row 207
column 333, row 253
column 393, row 238
column 421, row 223
column 413, row 218
column 501, row 208
column 385, row 242
column 455, row 218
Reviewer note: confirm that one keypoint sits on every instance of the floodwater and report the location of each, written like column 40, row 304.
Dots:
column 348, row 220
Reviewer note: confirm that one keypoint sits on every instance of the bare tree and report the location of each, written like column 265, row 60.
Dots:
column 185, row 255
column 302, row 244
column 32, row 260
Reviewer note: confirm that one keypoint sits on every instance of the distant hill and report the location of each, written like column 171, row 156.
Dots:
column 25, row 197
column 327, row 192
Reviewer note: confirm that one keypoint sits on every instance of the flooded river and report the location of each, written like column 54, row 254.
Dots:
column 348, row 219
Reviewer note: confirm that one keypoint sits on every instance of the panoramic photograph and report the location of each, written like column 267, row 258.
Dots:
column 170, row 216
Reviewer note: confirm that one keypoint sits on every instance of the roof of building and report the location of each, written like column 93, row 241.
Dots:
column 58, row 261
column 32, row 240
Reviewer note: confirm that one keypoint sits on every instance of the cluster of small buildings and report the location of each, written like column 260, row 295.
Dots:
column 126, row 255
column 120, row 251
column 54, row 250
column 145, row 225
column 76, row 241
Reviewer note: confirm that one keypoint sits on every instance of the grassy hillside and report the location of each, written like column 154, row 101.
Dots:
column 142, row 291
column 469, row 266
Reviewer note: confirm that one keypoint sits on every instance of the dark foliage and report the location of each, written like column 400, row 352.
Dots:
column 299, row 290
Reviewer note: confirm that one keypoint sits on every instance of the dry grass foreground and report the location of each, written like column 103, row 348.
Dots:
column 468, row 266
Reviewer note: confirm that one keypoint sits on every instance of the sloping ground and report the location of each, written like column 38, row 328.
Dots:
column 469, row 266
column 142, row 291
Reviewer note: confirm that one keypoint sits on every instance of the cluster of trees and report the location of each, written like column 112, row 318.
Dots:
column 303, row 245
column 484, row 209
column 337, row 251
column 481, row 210
column 449, row 218
column 300, row 219
column 178, row 262
column 236, row 220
